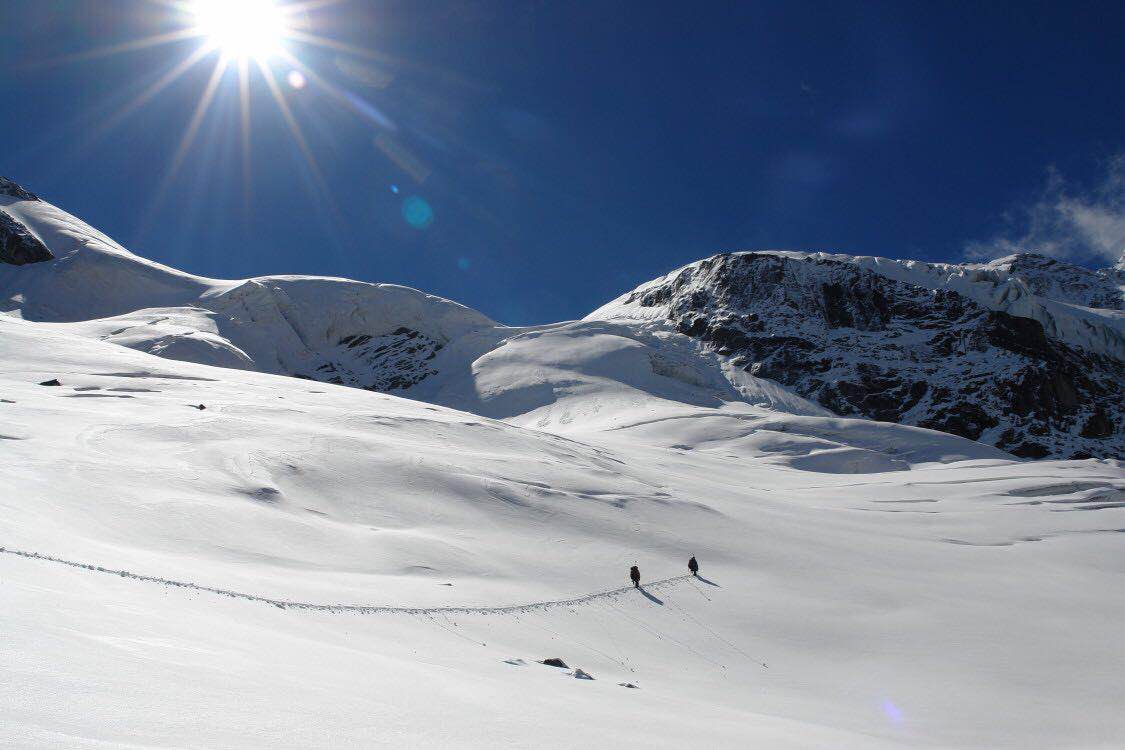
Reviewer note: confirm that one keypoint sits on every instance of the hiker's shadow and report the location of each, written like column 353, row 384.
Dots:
column 649, row 596
column 709, row 583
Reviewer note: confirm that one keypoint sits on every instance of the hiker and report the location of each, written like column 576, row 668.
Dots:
column 693, row 566
column 635, row 575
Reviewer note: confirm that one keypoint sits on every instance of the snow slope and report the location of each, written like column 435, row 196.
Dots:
column 866, row 584
column 588, row 375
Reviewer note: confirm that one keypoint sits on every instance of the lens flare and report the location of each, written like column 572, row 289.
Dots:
column 417, row 212
column 892, row 712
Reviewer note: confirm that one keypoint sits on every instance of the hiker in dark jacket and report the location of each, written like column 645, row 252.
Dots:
column 635, row 575
column 693, row 566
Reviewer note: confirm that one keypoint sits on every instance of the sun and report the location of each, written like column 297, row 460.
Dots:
column 242, row 29
column 262, row 42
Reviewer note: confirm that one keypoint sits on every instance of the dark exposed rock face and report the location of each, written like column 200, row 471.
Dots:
column 12, row 190
column 18, row 246
column 1098, row 426
column 863, row 344
column 963, row 418
column 394, row 361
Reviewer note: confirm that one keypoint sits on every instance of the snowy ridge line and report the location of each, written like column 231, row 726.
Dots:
column 357, row 608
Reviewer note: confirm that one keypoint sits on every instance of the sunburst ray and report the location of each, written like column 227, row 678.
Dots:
column 161, row 83
column 186, row 141
column 135, row 45
column 351, row 101
column 244, row 132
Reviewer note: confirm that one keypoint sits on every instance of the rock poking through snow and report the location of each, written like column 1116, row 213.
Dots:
column 18, row 246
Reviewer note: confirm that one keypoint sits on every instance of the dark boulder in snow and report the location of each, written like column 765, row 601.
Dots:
column 553, row 662
column 52, row 382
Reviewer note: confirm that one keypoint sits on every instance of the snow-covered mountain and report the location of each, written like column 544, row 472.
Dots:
column 198, row 550
column 1024, row 353
column 374, row 336
column 972, row 349
column 377, row 336
column 1053, row 279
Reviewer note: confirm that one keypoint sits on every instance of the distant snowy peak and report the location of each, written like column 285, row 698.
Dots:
column 1059, row 296
column 862, row 336
column 1064, row 282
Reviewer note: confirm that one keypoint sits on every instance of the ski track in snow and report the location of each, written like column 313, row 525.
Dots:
column 365, row 609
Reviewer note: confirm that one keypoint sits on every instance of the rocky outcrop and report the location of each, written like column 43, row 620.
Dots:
column 12, row 190
column 862, row 344
column 393, row 361
column 18, row 246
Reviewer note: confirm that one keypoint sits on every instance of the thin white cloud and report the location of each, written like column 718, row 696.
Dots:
column 1066, row 221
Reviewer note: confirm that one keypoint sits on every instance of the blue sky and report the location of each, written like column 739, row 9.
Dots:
column 536, row 159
